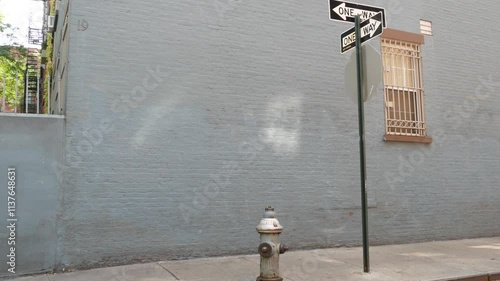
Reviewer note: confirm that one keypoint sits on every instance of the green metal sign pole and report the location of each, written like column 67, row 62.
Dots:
column 362, row 156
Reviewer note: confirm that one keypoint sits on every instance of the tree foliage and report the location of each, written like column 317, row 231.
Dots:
column 12, row 67
column 7, row 31
column 49, row 48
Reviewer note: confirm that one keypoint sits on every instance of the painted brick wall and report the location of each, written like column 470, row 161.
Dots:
column 61, row 49
column 186, row 119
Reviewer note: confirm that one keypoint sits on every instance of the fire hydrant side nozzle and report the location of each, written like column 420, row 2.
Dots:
column 270, row 247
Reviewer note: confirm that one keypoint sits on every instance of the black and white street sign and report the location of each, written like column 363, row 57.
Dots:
column 370, row 28
column 346, row 11
column 369, row 22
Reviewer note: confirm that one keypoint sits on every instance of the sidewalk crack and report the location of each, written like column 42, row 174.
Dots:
column 171, row 273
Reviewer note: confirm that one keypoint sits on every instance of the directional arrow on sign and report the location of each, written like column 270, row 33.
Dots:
column 370, row 28
column 346, row 11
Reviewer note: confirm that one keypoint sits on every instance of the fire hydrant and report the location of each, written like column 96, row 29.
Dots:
column 270, row 247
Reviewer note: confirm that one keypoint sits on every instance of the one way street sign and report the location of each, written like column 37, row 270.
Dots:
column 370, row 28
column 346, row 11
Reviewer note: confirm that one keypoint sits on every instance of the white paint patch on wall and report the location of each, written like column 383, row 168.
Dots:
column 282, row 131
column 156, row 117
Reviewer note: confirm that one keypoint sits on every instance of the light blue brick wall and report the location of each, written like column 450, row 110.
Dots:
column 246, row 108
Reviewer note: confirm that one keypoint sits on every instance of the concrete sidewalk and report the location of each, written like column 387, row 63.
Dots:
column 449, row 260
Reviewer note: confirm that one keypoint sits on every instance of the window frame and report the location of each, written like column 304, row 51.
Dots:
column 416, row 39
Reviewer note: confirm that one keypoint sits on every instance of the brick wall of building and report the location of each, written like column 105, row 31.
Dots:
column 186, row 119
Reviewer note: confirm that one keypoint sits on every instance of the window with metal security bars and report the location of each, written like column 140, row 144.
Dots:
column 403, row 88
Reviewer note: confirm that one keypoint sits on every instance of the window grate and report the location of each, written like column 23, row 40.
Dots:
column 403, row 88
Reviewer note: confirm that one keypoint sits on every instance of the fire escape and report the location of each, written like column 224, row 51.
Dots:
column 32, row 92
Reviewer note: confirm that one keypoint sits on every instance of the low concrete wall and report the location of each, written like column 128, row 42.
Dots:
column 30, row 144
